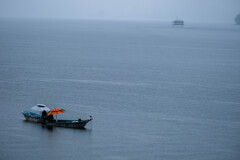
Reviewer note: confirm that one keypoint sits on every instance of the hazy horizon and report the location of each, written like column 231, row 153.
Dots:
column 216, row 11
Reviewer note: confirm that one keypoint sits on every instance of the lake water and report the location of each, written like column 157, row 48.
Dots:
column 154, row 91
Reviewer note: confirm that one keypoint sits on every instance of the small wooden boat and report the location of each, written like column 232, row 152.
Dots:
column 68, row 123
column 46, row 118
column 51, row 122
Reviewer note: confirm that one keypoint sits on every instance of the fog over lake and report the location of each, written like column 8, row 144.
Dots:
column 214, row 11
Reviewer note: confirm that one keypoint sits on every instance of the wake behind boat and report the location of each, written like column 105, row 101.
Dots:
column 47, row 117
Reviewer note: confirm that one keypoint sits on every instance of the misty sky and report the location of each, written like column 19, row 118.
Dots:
column 162, row 10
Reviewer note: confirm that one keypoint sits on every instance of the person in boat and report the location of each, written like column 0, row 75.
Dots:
column 47, row 117
column 44, row 115
column 50, row 118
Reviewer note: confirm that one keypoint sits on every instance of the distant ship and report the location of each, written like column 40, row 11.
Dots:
column 178, row 22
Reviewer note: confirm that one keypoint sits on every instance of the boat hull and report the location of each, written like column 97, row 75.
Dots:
column 68, row 123
column 33, row 117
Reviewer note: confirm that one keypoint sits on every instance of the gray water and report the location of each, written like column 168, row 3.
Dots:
column 154, row 91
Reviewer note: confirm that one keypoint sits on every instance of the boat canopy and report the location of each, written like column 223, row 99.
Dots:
column 56, row 111
column 40, row 107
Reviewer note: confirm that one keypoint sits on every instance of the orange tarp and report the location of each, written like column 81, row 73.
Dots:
column 56, row 111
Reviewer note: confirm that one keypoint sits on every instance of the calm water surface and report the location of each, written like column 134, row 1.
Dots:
column 154, row 91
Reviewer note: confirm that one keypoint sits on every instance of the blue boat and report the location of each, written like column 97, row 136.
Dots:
column 31, row 116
